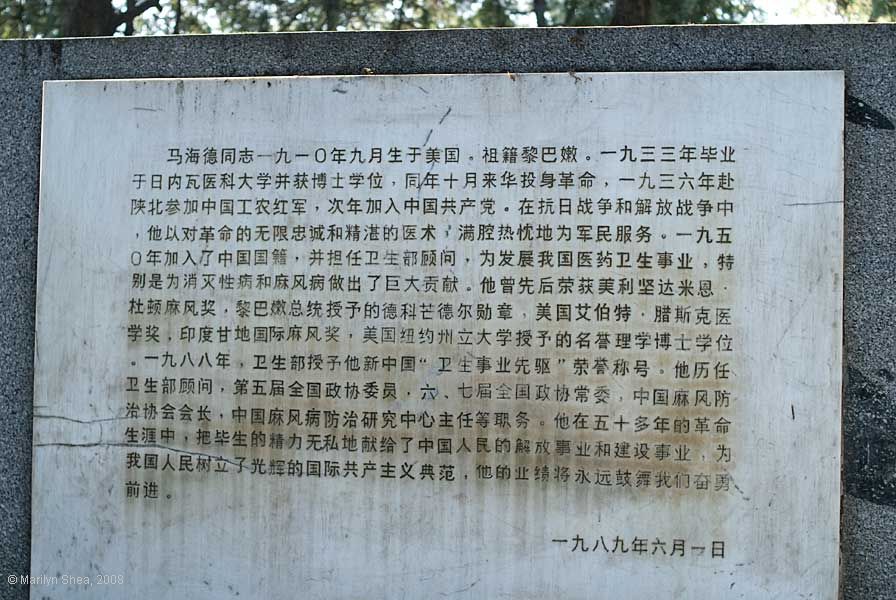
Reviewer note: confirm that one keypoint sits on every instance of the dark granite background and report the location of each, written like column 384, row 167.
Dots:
column 867, row 54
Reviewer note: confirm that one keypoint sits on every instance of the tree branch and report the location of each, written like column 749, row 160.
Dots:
column 136, row 11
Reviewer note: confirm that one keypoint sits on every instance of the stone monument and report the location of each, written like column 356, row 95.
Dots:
column 530, row 335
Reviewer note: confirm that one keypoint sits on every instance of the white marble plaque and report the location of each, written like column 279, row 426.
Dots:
column 473, row 336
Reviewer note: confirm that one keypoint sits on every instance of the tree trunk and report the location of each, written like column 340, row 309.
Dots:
column 86, row 18
column 632, row 12
column 178, row 14
column 539, row 7
column 570, row 13
column 398, row 13
column 331, row 13
column 129, row 26
column 82, row 18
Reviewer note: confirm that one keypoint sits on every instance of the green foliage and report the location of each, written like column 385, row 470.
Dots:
column 663, row 12
column 29, row 18
column 492, row 13
column 868, row 10
column 202, row 16
column 428, row 14
column 37, row 18
column 580, row 13
column 702, row 11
